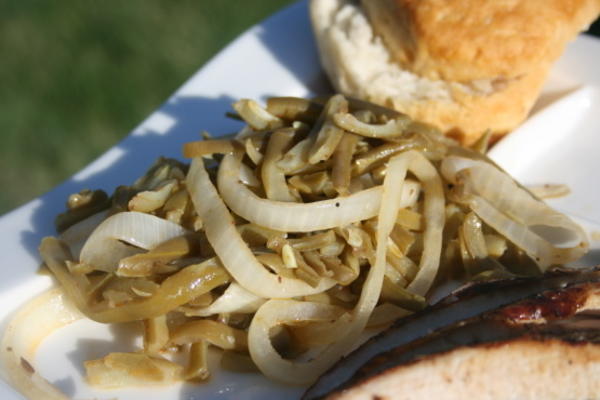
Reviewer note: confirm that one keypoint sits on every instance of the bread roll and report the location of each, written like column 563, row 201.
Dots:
column 465, row 66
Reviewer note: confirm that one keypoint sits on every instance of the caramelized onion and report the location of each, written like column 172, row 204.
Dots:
column 301, row 217
column 235, row 254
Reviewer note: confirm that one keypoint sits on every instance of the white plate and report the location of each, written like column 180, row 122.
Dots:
column 559, row 143
column 277, row 57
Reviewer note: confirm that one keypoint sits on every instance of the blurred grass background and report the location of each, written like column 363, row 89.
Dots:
column 77, row 75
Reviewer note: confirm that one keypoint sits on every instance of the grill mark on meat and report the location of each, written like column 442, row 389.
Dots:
column 462, row 305
column 548, row 305
column 482, row 332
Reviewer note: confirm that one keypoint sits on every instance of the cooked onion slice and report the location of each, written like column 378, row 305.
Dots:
column 34, row 321
column 546, row 235
column 302, row 217
column 276, row 312
column 231, row 249
column 105, row 246
column 434, row 217
column 76, row 235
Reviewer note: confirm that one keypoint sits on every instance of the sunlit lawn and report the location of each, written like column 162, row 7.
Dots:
column 77, row 75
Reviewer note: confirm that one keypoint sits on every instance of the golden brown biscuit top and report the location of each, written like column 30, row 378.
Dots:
column 464, row 40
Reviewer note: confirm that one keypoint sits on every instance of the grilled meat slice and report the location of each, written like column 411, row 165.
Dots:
column 488, row 358
column 559, row 294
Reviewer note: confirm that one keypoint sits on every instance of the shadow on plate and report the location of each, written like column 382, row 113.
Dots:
column 179, row 120
column 123, row 339
column 224, row 385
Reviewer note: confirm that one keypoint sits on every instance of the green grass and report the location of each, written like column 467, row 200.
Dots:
column 77, row 75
